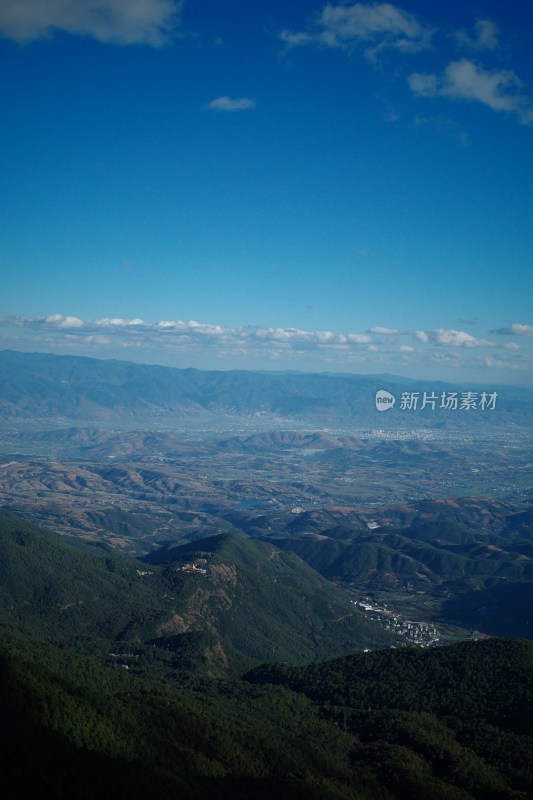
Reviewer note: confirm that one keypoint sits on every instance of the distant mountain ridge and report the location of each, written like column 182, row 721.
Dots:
column 122, row 394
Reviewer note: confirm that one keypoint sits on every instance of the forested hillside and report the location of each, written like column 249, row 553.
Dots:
column 452, row 723
column 247, row 602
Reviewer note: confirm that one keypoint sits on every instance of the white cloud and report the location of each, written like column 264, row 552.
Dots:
column 423, row 83
column 452, row 338
column 516, row 329
column 117, row 322
column 377, row 27
column 500, row 90
column 177, row 331
column 358, row 338
column 231, row 103
column 296, row 39
column 123, row 22
column 486, row 36
column 102, row 341
column 384, row 331
column 497, row 363
column 381, row 25
column 376, row 338
column 522, row 330
column 62, row 322
column 214, row 346
column 308, row 337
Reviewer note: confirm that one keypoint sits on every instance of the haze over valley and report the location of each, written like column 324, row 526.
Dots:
column 416, row 516
column 205, row 558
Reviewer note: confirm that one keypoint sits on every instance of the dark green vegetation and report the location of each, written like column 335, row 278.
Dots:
column 427, row 720
column 72, row 728
column 426, row 555
column 247, row 603
column 265, row 604
column 118, row 684
column 499, row 609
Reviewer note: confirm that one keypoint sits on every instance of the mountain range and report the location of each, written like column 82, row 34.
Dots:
column 42, row 386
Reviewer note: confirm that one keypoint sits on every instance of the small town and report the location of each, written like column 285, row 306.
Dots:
column 421, row 634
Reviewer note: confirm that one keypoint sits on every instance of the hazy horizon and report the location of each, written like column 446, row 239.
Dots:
column 461, row 384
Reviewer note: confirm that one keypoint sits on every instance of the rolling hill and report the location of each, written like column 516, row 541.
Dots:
column 247, row 603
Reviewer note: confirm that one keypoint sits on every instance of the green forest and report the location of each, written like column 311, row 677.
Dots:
column 100, row 699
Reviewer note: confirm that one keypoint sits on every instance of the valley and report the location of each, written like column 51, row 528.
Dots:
column 231, row 593
column 419, row 517
column 427, row 518
column 268, row 480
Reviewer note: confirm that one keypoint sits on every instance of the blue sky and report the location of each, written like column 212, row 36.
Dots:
column 340, row 187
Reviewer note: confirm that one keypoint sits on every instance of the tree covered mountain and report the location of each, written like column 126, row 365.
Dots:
column 247, row 602
column 122, row 678
column 434, row 725
column 452, row 722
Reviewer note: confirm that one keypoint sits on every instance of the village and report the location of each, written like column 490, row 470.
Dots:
column 421, row 634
